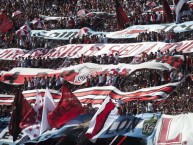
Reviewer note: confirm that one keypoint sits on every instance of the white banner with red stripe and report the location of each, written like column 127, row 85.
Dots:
column 176, row 130
column 76, row 50
column 96, row 95
column 78, row 74
column 133, row 31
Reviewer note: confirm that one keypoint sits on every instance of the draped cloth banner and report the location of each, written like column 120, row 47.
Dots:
column 140, row 126
column 176, row 130
column 77, row 74
column 133, row 31
column 61, row 34
column 76, row 50
column 96, row 95
column 130, row 32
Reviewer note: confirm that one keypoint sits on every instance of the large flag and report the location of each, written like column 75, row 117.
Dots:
column 96, row 95
column 181, row 9
column 5, row 24
column 174, row 130
column 167, row 11
column 20, row 109
column 102, row 119
column 34, row 115
column 122, row 18
column 32, row 120
column 68, row 108
column 48, row 106
column 174, row 61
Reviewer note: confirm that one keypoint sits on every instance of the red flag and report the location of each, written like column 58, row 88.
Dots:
column 5, row 24
column 34, row 115
column 68, row 108
column 122, row 18
column 167, row 11
column 20, row 109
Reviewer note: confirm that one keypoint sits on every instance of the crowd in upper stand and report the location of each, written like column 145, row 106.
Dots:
column 137, row 12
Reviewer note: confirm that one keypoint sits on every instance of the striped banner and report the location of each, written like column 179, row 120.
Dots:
column 102, row 119
column 76, row 74
column 96, row 95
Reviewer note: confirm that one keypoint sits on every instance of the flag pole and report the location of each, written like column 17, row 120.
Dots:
column 113, row 140
column 122, row 140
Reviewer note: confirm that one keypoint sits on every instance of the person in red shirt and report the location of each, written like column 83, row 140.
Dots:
column 147, row 18
column 154, row 18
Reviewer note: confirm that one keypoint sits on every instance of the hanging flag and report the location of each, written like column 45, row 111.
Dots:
column 174, row 61
column 48, row 106
column 5, row 24
column 181, row 9
column 122, row 18
column 32, row 120
column 20, row 109
column 167, row 11
column 68, row 108
column 34, row 115
column 102, row 119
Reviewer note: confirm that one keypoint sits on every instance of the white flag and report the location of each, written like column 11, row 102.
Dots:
column 48, row 106
column 33, row 131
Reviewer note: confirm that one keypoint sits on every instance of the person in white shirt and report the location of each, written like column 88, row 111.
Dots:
column 43, row 83
column 101, row 80
column 36, row 82
column 149, row 107
column 62, row 79
column 159, row 54
column 109, row 80
column 29, row 86
column 22, row 62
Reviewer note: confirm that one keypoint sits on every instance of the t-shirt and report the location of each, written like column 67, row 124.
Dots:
column 119, row 103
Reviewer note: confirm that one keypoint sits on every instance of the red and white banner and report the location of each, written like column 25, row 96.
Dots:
column 102, row 119
column 96, row 95
column 133, row 31
column 77, row 74
column 6, row 99
column 174, row 61
column 76, row 50
column 174, row 130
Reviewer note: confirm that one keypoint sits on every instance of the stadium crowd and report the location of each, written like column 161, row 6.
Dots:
column 138, row 11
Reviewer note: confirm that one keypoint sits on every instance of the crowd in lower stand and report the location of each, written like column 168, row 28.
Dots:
column 140, row 12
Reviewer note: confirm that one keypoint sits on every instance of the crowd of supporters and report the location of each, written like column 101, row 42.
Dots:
column 138, row 12
column 180, row 101
column 47, row 62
